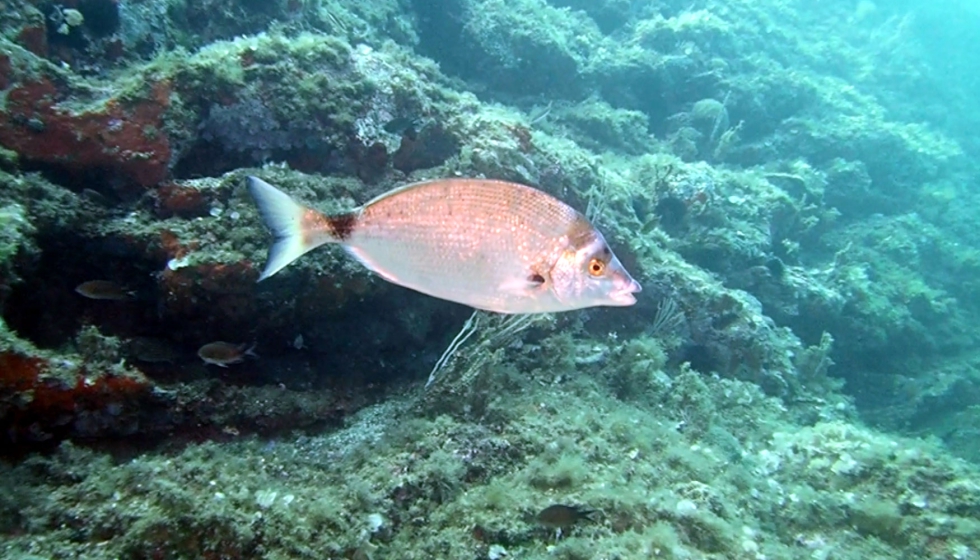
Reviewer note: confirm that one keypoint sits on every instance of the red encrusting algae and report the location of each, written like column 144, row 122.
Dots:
column 182, row 201
column 126, row 136
column 38, row 406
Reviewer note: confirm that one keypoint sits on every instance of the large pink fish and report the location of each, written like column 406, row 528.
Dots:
column 491, row 245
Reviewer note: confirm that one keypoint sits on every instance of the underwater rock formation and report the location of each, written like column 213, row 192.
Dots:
column 803, row 226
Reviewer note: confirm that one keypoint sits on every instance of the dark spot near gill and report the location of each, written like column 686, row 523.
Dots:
column 342, row 225
column 536, row 279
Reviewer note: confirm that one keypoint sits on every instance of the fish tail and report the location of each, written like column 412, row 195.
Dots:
column 295, row 228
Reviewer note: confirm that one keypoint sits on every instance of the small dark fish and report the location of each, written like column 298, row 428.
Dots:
column 104, row 289
column 559, row 516
column 224, row 354
column 407, row 126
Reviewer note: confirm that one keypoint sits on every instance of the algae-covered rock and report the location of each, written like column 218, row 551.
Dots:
column 792, row 188
column 522, row 47
column 15, row 238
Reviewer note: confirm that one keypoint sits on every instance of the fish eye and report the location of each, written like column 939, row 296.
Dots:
column 596, row 267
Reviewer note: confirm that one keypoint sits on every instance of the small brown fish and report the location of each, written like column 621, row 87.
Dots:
column 104, row 289
column 559, row 516
column 224, row 354
column 492, row 245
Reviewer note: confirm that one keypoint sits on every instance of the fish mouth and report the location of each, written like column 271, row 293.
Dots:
column 624, row 295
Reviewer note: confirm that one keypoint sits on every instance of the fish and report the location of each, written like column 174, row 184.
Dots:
column 105, row 290
column 560, row 516
column 492, row 245
column 407, row 126
column 224, row 354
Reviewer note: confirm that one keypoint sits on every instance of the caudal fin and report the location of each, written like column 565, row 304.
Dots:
column 295, row 228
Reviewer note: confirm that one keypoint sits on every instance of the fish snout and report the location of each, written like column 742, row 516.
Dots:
column 624, row 286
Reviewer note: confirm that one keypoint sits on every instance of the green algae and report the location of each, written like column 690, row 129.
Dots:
column 392, row 483
column 16, row 231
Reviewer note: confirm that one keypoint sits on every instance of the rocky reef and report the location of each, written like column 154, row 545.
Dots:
column 793, row 186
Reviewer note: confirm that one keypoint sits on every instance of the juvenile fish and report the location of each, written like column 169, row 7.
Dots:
column 104, row 289
column 492, row 245
column 406, row 126
column 224, row 354
column 561, row 517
